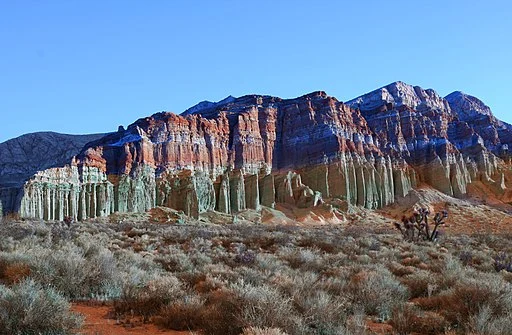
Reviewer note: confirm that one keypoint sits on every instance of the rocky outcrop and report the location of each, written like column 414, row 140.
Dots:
column 57, row 193
column 449, row 141
column 24, row 156
column 256, row 151
column 400, row 94
column 494, row 134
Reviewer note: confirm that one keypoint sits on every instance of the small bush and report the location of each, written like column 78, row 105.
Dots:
column 263, row 331
column 408, row 320
column 463, row 302
column 246, row 257
column 502, row 262
column 13, row 272
column 184, row 314
column 28, row 308
column 221, row 315
column 377, row 291
column 145, row 295
column 322, row 312
column 421, row 283
column 485, row 323
column 265, row 306
column 399, row 270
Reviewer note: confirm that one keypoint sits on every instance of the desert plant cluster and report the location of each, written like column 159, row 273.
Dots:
column 254, row 279
column 417, row 227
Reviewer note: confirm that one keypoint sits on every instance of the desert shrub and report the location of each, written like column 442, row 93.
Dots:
column 184, row 314
column 421, row 283
column 242, row 305
column 369, row 243
column 76, row 273
column 14, row 272
column 13, row 267
column 268, row 263
column 466, row 257
column 400, row 270
column 485, row 323
column 145, row 294
column 377, row 291
column 296, row 284
column 305, row 259
column 323, row 313
column 407, row 319
column 221, row 315
column 265, row 306
column 262, row 331
column 323, row 243
column 175, row 260
column 469, row 297
column 502, row 262
column 355, row 325
column 450, row 271
column 251, row 276
column 28, row 308
column 246, row 257
column 411, row 261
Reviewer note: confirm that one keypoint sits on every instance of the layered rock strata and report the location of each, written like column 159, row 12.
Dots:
column 24, row 156
column 258, row 151
column 449, row 141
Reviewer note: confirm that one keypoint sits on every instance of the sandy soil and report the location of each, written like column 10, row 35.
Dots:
column 98, row 321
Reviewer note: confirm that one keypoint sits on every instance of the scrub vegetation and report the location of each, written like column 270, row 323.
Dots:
column 254, row 279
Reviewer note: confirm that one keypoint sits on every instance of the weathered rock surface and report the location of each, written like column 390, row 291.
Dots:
column 22, row 157
column 67, row 192
column 494, row 134
column 244, row 153
column 449, row 141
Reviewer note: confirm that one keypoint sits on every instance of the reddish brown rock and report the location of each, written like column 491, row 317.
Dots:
column 257, row 151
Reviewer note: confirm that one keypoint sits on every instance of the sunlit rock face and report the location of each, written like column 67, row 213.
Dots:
column 449, row 141
column 24, row 156
column 244, row 153
column 494, row 134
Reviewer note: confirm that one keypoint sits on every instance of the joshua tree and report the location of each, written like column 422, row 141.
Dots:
column 416, row 227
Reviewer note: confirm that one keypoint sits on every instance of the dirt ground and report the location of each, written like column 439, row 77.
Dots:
column 99, row 321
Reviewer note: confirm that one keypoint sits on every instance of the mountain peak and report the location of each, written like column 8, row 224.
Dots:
column 399, row 93
column 468, row 107
column 208, row 105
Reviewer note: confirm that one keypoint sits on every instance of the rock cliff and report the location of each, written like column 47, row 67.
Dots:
column 449, row 141
column 256, row 151
column 24, row 156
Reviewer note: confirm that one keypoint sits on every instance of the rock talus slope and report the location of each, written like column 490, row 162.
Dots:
column 253, row 151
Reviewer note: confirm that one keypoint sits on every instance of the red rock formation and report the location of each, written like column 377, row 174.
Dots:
column 249, row 133
column 258, row 150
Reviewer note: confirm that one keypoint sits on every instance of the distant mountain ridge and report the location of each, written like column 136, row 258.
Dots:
column 258, row 150
column 23, row 156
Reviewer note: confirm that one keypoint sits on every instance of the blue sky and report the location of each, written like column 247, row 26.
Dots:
column 89, row 66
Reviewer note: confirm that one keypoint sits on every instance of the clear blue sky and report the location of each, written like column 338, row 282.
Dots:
column 89, row 66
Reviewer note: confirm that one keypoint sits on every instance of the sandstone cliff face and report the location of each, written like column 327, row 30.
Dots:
column 258, row 151
column 22, row 157
column 67, row 192
column 449, row 141
column 494, row 134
